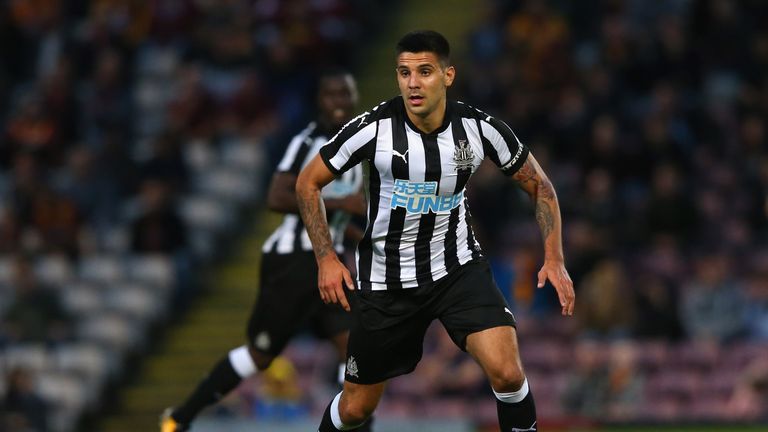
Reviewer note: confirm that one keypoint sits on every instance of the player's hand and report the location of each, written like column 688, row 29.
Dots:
column 331, row 277
column 555, row 271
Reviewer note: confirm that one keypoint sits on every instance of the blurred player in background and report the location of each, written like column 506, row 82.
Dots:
column 288, row 298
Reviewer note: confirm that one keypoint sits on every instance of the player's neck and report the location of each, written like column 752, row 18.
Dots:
column 432, row 121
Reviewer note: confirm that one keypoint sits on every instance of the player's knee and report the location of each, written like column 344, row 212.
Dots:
column 507, row 379
column 355, row 412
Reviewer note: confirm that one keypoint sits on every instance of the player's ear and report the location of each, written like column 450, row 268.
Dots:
column 450, row 74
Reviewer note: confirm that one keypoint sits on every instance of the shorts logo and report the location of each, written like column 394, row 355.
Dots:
column 352, row 367
column 262, row 341
column 508, row 311
column 463, row 156
column 422, row 198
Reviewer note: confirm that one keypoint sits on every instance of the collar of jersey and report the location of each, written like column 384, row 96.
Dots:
column 444, row 126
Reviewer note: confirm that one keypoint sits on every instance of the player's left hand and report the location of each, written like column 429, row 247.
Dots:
column 555, row 271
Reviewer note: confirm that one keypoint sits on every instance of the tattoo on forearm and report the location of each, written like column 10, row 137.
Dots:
column 542, row 194
column 545, row 203
column 545, row 218
column 317, row 226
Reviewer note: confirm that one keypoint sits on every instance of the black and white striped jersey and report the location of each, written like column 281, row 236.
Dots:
column 418, row 221
column 291, row 236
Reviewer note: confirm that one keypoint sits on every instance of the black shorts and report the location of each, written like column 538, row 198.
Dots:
column 387, row 334
column 289, row 301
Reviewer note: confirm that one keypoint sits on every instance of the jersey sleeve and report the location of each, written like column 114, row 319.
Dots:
column 350, row 146
column 502, row 146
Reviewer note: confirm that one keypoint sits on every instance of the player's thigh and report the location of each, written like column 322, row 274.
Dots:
column 497, row 352
column 470, row 302
column 287, row 298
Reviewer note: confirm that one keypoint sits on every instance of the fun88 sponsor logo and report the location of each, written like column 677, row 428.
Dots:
column 421, row 197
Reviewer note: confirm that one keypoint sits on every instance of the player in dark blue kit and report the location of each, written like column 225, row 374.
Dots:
column 419, row 260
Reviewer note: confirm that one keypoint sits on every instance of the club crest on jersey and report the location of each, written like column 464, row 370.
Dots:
column 463, row 156
column 352, row 367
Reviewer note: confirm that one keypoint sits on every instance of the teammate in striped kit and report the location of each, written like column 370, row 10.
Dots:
column 288, row 288
column 418, row 259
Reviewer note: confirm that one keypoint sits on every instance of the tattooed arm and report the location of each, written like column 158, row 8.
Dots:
column 532, row 179
column 332, row 274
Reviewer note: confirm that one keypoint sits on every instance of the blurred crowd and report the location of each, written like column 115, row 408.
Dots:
column 650, row 118
column 112, row 112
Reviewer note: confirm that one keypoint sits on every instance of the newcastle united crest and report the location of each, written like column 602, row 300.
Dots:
column 463, row 156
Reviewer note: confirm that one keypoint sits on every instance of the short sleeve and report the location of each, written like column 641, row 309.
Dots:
column 350, row 146
column 502, row 146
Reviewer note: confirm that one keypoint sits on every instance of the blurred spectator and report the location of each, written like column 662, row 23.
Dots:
column 36, row 313
column 158, row 229
column 106, row 100
column 756, row 297
column 10, row 232
column 604, row 301
column 750, row 397
column 26, row 178
column 166, row 163
column 582, row 395
column 32, row 130
column 624, row 384
column 712, row 303
column 59, row 97
column 670, row 209
column 57, row 221
column 23, row 410
column 115, row 166
column 81, row 182
column 657, row 309
column 607, row 383
column 191, row 111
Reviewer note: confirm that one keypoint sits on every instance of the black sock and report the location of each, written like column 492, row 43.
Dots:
column 520, row 415
column 326, row 424
column 221, row 380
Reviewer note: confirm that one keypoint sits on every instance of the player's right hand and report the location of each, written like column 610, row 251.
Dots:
column 332, row 275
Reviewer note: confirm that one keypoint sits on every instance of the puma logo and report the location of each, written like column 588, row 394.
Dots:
column 398, row 154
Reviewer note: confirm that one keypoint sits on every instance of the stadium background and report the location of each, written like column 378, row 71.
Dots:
column 138, row 138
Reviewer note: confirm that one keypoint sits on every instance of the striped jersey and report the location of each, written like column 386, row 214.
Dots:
column 418, row 226
column 291, row 236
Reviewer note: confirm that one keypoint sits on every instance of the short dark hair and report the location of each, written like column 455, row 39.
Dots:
column 332, row 72
column 425, row 41
column 328, row 72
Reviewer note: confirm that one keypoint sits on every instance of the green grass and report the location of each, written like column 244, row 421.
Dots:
column 718, row 428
